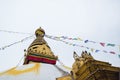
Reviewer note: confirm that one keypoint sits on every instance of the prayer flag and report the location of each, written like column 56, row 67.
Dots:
column 86, row 41
column 70, row 38
column 70, row 43
column 110, row 44
column 80, row 39
column 74, row 44
column 119, row 47
column 104, row 51
column 87, row 47
column 82, row 46
column 97, row 51
column 92, row 41
column 119, row 55
column 92, row 49
column 102, row 44
column 74, row 38
column 112, row 52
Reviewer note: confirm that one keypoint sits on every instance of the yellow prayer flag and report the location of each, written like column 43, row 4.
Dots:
column 80, row 39
column 119, row 47
column 92, row 49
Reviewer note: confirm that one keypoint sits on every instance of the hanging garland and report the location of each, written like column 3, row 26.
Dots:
column 62, row 39
column 69, row 38
column 4, row 47
column 14, row 32
column 85, row 41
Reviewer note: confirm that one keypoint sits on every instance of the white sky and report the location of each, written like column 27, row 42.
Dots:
column 96, row 20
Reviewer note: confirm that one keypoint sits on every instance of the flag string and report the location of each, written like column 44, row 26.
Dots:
column 80, row 39
column 74, row 44
column 62, row 39
column 6, row 46
column 14, row 32
column 103, row 44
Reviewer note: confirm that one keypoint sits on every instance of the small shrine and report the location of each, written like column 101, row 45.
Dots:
column 86, row 67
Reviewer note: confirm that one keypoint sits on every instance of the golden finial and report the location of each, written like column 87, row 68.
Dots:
column 40, row 32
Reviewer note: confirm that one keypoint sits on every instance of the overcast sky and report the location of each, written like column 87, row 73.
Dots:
column 97, row 20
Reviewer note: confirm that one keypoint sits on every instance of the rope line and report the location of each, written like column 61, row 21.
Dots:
column 77, row 45
column 14, row 32
column 9, row 45
column 63, row 38
column 20, row 61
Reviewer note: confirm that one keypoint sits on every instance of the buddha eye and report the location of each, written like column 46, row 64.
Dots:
column 34, row 47
column 43, row 48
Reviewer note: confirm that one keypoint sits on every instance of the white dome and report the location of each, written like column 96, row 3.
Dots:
column 35, row 71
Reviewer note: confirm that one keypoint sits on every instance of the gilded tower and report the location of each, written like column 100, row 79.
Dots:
column 86, row 67
column 39, row 50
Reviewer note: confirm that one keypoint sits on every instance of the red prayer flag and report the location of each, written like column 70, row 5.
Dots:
column 102, row 44
column 112, row 52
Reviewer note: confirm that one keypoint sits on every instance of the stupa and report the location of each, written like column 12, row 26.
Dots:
column 40, row 64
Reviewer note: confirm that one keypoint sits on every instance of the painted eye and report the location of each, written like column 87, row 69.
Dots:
column 43, row 48
column 34, row 47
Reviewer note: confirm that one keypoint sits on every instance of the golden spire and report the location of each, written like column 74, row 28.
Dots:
column 39, row 51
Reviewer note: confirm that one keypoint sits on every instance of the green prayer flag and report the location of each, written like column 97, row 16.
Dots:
column 110, row 44
column 119, row 55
